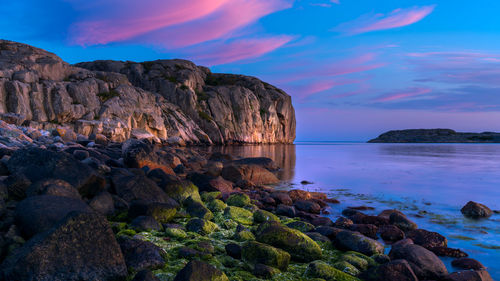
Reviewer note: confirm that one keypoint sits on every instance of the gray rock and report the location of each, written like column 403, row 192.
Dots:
column 475, row 210
column 140, row 255
column 355, row 241
column 425, row 264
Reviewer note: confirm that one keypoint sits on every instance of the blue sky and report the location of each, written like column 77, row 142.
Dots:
column 354, row 68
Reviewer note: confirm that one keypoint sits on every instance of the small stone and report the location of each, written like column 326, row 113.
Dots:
column 475, row 210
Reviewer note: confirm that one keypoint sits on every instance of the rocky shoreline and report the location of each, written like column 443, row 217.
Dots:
column 77, row 208
column 435, row 136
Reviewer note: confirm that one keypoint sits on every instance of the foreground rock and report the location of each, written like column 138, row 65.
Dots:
column 475, row 210
column 200, row 271
column 82, row 247
column 424, row 263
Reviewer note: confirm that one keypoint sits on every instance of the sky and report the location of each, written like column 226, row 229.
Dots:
column 354, row 68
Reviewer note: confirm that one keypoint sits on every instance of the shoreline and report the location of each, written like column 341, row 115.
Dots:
column 174, row 213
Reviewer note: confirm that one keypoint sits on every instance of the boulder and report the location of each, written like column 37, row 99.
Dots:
column 103, row 203
column 260, row 216
column 201, row 226
column 355, row 241
column 216, row 205
column 300, row 246
column 284, row 210
column 161, row 212
column 259, row 253
column 145, row 223
column 140, row 255
column 181, row 190
column 320, row 269
column 301, row 226
column 264, row 271
column 233, row 250
column 402, row 222
column 263, row 162
column 132, row 187
column 39, row 213
column 239, row 215
column 479, row 275
column 200, row 271
column 476, row 210
column 467, row 263
column 80, row 247
column 282, row 197
column 396, row 270
column 368, row 230
column 328, row 231
column 391, row 233
column 308, row 206
column 197, row 209
column 427, row 239
column 145, row 275
column 139, row 154
column 40, row 164
column 238, row 200
column 423, row 262
column 298, row 194
column 252, row 173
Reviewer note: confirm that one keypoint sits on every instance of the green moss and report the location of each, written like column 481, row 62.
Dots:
column 347, row 268
column 108, row 95
column 120, row 217
column 162, row 213
column 263, row 216
column 238, row 200
column 175, row 233
column 255, row 252
column 301, row 226
column 126, row 232
column 244, row 235
column 208, row 196
column 180, row 191
column 201, row 226
column 198, row 209
column 239, row 215
column 319, row 269
column 216, row 205
column 370, row 262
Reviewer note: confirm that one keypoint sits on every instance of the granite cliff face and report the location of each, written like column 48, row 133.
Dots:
column 166, row 100
column 435, row 136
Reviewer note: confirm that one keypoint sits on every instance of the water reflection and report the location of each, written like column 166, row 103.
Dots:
column 282, row 154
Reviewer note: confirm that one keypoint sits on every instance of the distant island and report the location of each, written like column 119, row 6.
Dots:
column 435, row 136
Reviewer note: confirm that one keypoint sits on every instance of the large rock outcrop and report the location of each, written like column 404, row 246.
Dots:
column 169, row 100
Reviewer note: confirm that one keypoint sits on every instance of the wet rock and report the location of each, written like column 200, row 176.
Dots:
column 197, row 209
column 201, row 226
column 317, row 237
column 39, row 164
column 427, row 239
column 479, row 275
column 467, row 263
column 301, row 226
column 103, row 203
column 284, row 210
column 320, row 269
column 307, row 206
column 145, row 223
column 342, row 222
column 161, row 212
column 233, row 250
column 252, row 173
column 200, row 271
column 298, row 194
column 391, row 233
column 255, row 253
column 239, row 215
column 263, row 162
column 138, row 154
column 282, row 197
column 181, row 190
column 320, row 221
column 216, row 205
column 140, row 255
column 476, row 210
column 328, row 231
column 424, row 263
column 448, row 252
column 39, row 213
column 260, row 216
column 145, row 275
column 80, row 247
column 355, row 241
column 368, row 230
column 81, row 154
column 132, row 187
column 397, row 270
column 402, row 222
column 53, row 187
column 264, row 271
column 299, row 245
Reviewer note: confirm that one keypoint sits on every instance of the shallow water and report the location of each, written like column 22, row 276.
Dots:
column 429, row 182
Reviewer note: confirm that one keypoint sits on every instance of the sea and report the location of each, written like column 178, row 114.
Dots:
column 428, row 182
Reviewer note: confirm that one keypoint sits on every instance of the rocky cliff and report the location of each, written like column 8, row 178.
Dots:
column 435, row 136
column 167, row 100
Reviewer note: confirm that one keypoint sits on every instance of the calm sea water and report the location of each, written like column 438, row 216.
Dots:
column 429, row 182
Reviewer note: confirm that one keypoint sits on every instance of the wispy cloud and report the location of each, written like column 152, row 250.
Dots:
column 226, row 52
column 409, row 93
column 374, row 22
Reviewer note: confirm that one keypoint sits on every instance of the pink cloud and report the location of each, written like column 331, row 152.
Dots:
column 112, row 20
column 395, row 19
column 237, row 50
column 228, row 18
column 410, row 93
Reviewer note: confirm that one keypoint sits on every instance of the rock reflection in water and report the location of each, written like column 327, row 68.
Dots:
column 282, row 154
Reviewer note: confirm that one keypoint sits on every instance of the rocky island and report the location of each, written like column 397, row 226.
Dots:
column 435, row 136
column 100, row 179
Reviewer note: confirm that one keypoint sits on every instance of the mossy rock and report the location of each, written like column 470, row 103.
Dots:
column 255, row 253
column 175, row 233
column 300, row 246
column 209, row 196
column 264, row 271
column 347, row 268
column 197, row 209
column 198, row 270
column 216, row 205
column 370, row 262
column 238, row 200
column 127, row 232
column 244, row 235
column 180, row 191
column 320, row 269
column 239, row 215
column 263, row 216
column 301, row 226
column 201, row 226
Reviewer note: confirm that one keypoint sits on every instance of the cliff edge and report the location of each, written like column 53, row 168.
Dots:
column 172, row 101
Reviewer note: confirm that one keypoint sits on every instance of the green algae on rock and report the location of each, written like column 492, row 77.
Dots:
column 262, row 216
column 255, row 253
column 201, row 226
column 238, row 200
column 320, row 269
column 239, row 215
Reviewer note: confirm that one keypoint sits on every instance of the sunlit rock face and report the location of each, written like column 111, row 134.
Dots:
column 169, row 100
